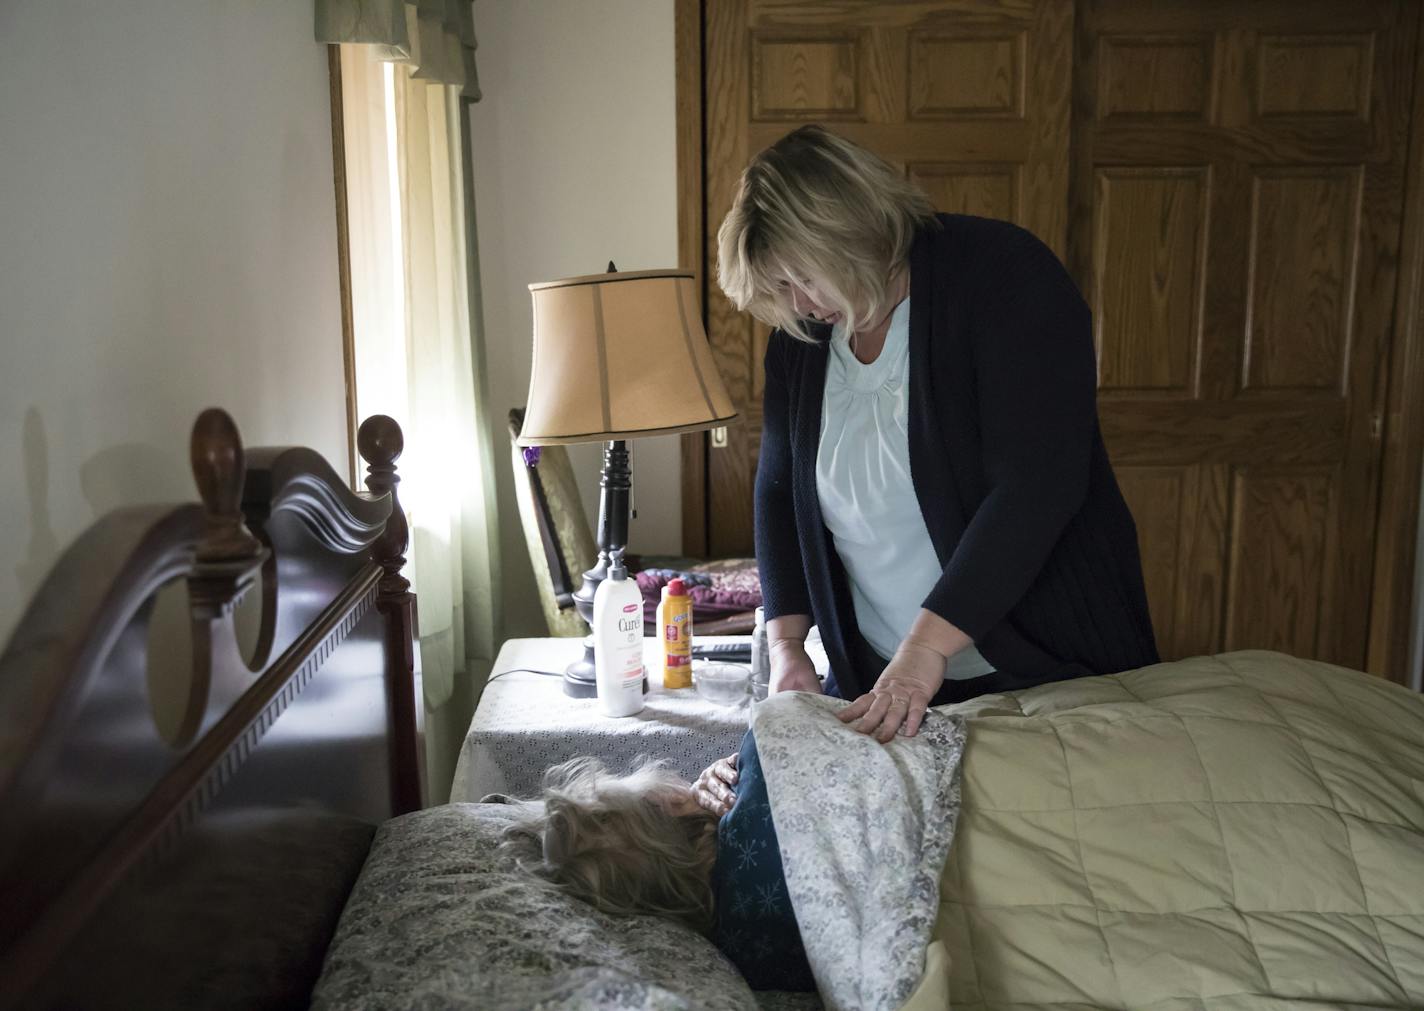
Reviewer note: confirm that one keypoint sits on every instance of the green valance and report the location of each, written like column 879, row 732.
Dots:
column 436, row 37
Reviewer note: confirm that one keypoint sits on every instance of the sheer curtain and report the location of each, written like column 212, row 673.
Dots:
column 419, row 358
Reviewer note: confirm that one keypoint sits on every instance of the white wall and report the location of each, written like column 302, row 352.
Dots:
column 167, row 241
column 575, row 164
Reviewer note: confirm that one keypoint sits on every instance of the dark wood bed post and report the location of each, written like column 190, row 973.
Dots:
column 227, row 559
column 381, row 443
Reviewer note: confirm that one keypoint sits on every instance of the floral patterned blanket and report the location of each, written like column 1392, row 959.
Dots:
column 717, row 589
column 864, row 830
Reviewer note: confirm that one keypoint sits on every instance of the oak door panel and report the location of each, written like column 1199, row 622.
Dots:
column 1276, row 584
column 1236, row 214
column 1148, row 278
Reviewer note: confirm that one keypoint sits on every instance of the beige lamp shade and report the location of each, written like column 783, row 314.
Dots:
column 619, row 356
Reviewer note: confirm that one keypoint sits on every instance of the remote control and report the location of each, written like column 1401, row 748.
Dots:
column 731, row 652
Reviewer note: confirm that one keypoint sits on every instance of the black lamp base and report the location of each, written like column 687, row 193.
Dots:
column 580, row 681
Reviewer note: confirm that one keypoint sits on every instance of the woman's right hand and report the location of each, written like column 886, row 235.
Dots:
column 791, row 667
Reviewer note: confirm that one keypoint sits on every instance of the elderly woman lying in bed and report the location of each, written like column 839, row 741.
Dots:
column 1225, row 832
column 649, row 842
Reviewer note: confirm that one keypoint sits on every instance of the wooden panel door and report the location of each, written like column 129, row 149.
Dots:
column 968, row 97
column 1236, row 213
column 1227, row 188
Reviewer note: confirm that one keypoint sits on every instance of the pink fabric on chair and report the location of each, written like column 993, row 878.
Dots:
column 717, row 589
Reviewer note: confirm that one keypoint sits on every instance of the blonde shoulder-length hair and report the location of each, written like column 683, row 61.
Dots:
column 815, row 207
column 614, row 841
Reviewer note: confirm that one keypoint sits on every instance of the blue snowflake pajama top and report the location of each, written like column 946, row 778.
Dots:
column 756, row 926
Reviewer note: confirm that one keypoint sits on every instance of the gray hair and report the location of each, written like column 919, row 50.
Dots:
column 814, row 206
column 613, row 841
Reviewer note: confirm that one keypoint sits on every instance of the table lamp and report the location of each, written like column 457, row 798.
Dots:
column 617, row 356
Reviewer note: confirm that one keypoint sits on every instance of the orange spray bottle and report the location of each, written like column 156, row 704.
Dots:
column 675, row 630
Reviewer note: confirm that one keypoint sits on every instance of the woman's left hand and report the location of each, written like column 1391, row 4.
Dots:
column 715, row 789
column 901, row 694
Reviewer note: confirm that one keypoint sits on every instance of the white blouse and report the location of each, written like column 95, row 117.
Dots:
column 867, row 498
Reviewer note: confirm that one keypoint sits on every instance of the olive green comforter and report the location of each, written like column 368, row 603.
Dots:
column 1239, row 831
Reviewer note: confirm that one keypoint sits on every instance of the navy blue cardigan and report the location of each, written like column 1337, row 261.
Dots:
column 1039, row 550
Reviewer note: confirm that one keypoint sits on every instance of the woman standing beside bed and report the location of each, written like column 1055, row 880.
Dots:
column 933, row 490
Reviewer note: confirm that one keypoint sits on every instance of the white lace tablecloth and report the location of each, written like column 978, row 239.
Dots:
column 525, row 723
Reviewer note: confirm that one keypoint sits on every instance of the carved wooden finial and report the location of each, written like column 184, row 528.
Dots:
column 227, row 558
column 381, row 442
column 219, row 469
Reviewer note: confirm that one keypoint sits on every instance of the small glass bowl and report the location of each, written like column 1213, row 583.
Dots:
column 726, row 684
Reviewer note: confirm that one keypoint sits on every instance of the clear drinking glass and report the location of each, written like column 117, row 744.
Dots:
column 761, row 658
column 723, row 683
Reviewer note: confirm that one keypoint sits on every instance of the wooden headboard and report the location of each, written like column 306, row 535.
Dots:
column 207, row 867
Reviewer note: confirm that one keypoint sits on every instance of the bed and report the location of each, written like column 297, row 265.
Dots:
column 264, row 845
column 207, row 868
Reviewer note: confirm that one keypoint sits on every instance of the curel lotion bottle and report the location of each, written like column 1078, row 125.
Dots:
column 618, row 641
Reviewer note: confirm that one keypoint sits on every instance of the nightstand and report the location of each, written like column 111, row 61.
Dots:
column 525, row 723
